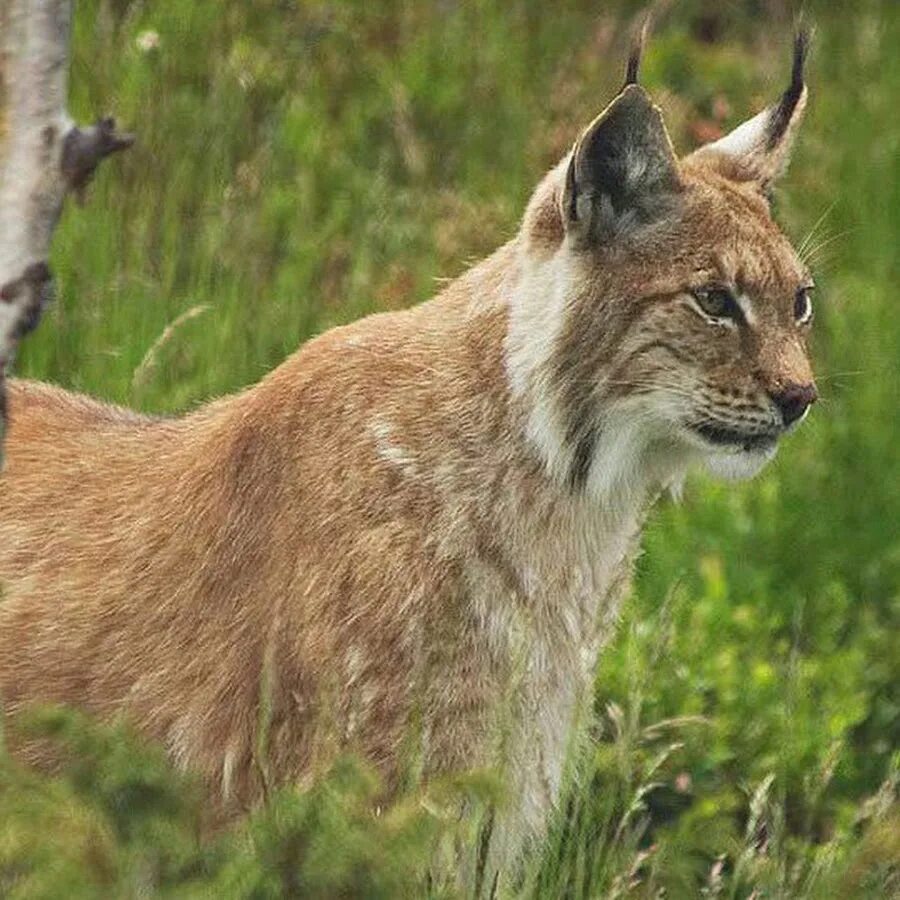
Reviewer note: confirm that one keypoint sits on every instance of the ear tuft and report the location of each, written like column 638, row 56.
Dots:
column 758, row 150
column 783, row 113
column 638, row 42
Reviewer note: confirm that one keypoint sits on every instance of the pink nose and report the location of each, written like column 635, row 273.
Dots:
column 794, row 399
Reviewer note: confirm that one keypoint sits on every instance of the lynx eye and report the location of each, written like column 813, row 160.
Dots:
column 718, row 303
column 803, row 310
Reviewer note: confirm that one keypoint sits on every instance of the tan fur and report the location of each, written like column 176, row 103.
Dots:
column 384, row 540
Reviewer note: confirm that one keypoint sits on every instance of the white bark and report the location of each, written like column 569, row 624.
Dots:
column 43, row 156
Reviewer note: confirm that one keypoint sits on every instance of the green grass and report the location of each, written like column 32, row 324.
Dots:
column 300, row 165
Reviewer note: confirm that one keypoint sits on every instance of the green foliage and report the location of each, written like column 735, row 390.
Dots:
column 332, row 841
column 301, row 164
column 113, row 819
column 116, row 820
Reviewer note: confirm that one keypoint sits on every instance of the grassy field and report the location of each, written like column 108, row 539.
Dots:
column 302, row 164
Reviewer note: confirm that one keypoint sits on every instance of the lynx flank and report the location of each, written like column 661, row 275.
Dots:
column 413, row 536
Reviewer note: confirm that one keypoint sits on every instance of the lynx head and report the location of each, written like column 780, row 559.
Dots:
column 661, row 315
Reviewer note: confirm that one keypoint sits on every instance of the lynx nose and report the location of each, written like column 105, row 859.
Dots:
column 793, row 400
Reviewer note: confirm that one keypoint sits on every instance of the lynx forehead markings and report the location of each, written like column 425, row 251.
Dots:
column 413, row 537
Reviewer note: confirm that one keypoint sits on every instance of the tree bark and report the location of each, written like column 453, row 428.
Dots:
column 43, row 156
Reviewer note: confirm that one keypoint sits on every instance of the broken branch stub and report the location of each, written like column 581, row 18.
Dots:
column 43, row 156
column 85, row 148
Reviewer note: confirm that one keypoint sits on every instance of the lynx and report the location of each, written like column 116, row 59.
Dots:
column 412, row 538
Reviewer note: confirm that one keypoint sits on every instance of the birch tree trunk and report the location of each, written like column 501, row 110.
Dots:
column 43, row 156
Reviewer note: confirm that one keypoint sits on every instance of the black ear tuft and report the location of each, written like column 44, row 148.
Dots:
column 638, row 42
column 758, row 150
column 783, row 113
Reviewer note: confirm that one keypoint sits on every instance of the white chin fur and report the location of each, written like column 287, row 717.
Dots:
column 735, row 465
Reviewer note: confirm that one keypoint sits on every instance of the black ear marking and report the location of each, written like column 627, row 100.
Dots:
column 783, row 113
column 571, row 189
column 638, row 42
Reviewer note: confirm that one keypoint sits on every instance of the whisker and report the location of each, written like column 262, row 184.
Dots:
column 812, row 232
column 827, row 376
column 809, row 254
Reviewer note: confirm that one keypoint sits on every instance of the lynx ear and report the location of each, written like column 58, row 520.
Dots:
column 622, row 173
column 759, row 150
